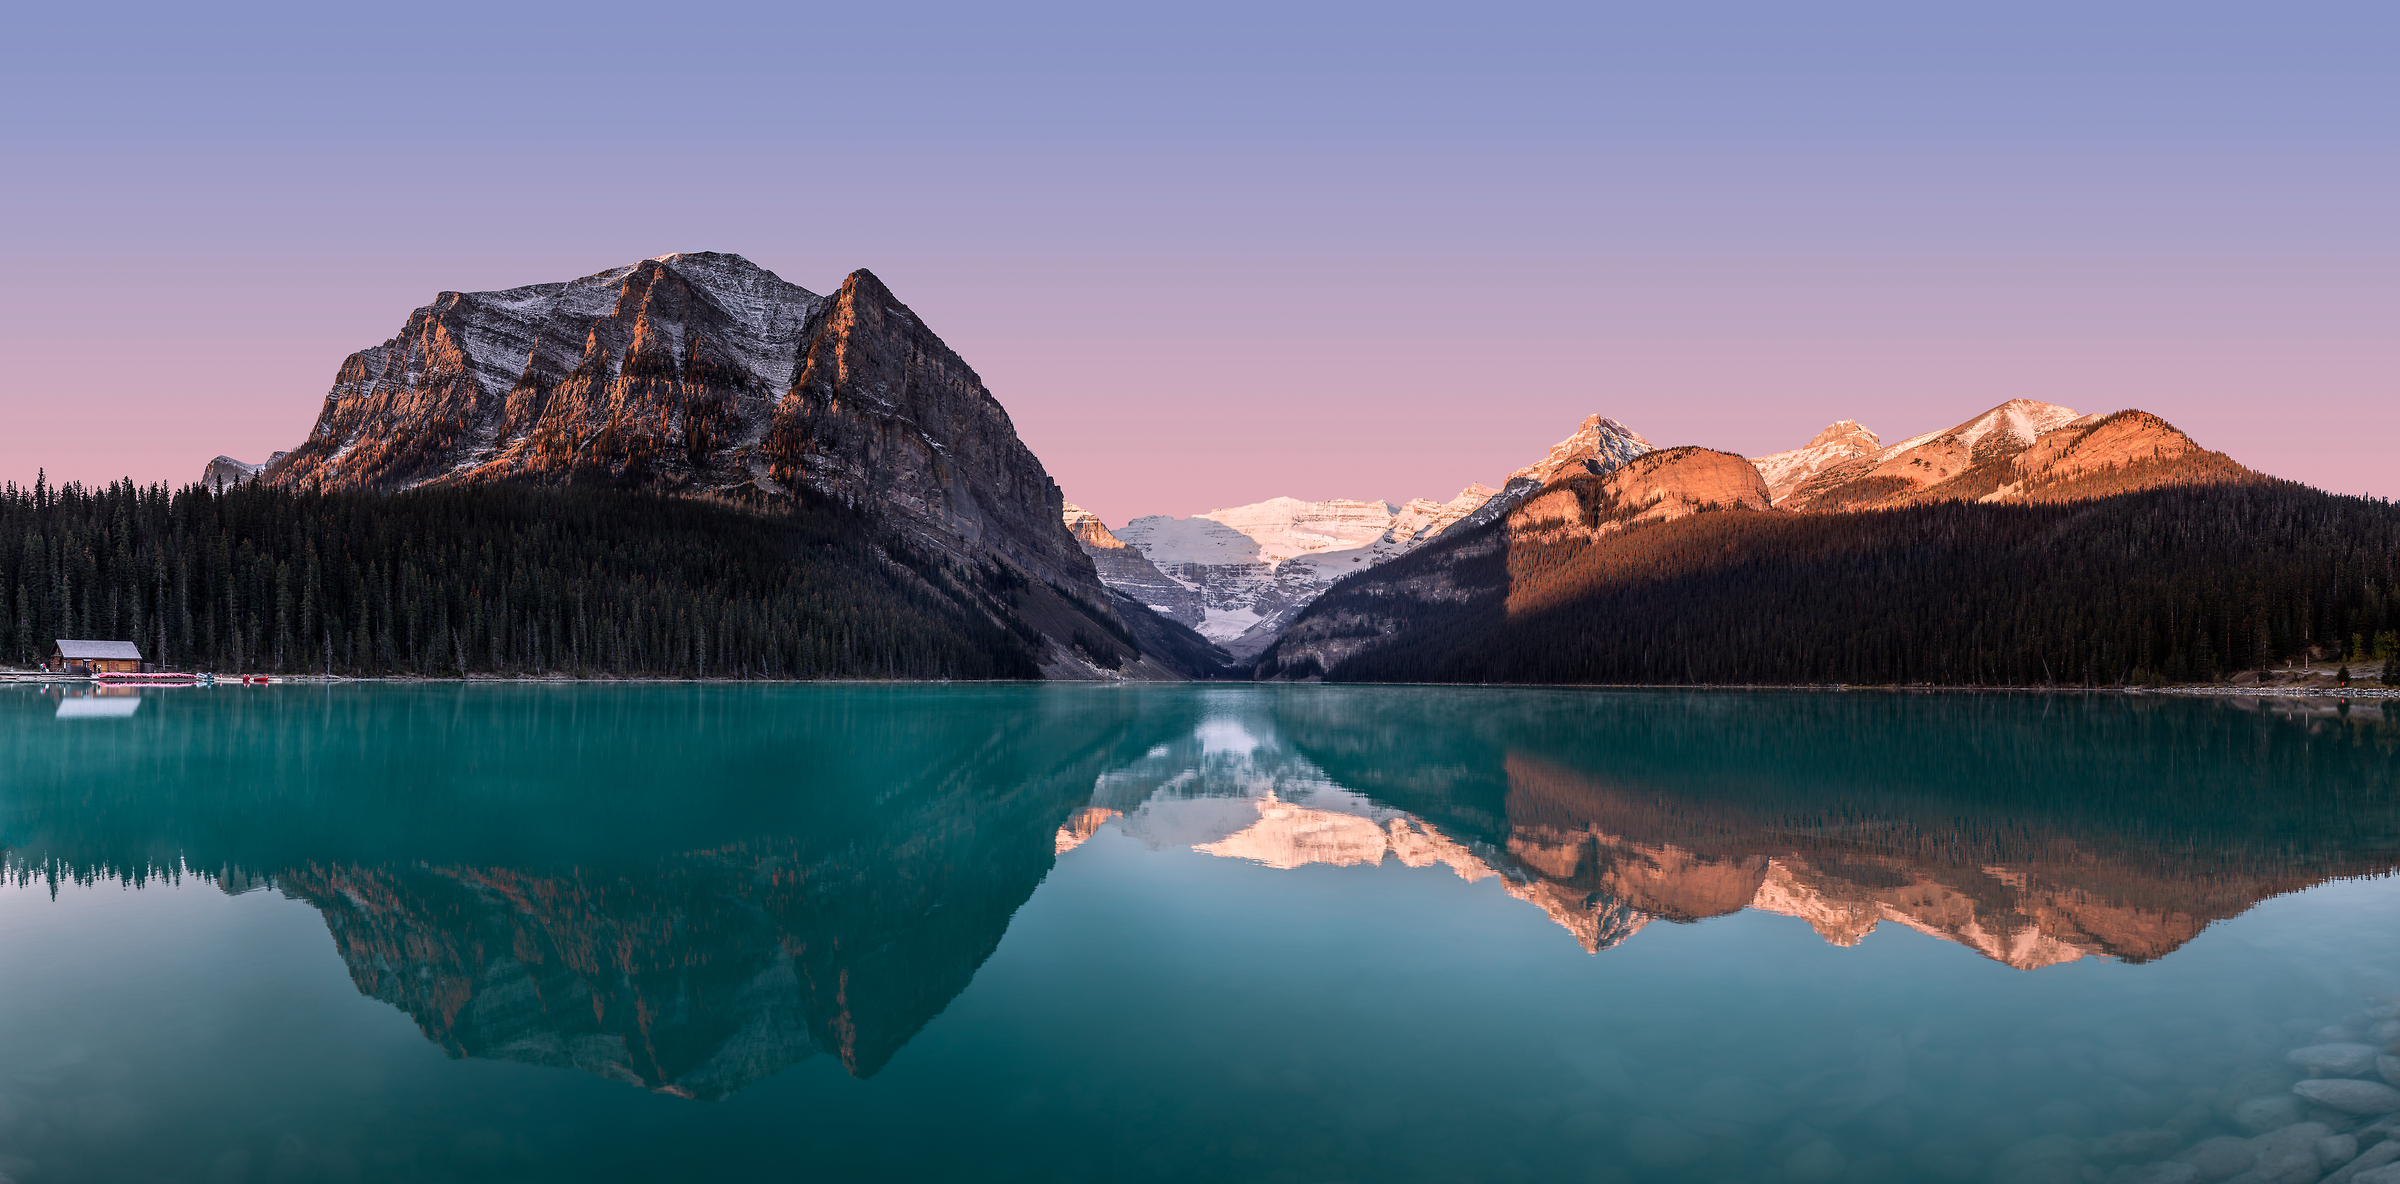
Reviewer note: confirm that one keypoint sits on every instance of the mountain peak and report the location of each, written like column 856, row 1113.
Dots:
column 1844, row 431
column 1599, row 444
column 1842, row 440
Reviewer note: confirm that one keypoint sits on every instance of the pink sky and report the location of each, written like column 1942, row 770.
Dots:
column 1202, row 269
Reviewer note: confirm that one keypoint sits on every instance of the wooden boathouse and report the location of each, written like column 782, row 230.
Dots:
column 95, row 657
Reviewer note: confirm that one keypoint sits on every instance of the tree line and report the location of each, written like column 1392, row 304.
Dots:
column 2171, row 585
column 492, row 579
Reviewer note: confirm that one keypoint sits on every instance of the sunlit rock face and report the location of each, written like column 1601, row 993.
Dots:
column 666, row 370
column 1658, row 486
column 2020, row 451
column 697, row 372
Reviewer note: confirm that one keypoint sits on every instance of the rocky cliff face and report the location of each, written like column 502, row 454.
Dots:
column 663, row 373
column 881, row 413
column 705, row 373
column 1653, row 487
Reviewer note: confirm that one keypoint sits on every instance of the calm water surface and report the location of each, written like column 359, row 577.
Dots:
column 1090, row 933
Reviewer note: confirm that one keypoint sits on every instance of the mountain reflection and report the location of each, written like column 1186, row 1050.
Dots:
column 692, row 888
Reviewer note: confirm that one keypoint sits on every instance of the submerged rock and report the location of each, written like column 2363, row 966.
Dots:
column 2220, row 1158
column 2380, row 1155
column 2350, row 1096
column 2334, row 1060
column 2335, row 1150
column 2286, row 1156
column 2260, row 1115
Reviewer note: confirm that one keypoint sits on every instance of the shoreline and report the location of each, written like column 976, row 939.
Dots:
column 2195, row 690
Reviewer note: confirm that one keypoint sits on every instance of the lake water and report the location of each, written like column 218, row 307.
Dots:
column 510, row 932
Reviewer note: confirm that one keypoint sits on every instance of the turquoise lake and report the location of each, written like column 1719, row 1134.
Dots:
column 662, row 932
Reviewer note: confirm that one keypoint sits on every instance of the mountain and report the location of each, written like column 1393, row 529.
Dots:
column 2029, row 545
column 1127, row 571
column 665, row 372
column 706, row 374
column 1241, row 575
column 1541, row 498
column 1238, row 575
column 1842, row 440
column 226, row 473
column 1654, row 487
column 1597, row 446
column 2021, row 450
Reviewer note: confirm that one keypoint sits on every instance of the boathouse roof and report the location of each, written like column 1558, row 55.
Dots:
column 99, row 649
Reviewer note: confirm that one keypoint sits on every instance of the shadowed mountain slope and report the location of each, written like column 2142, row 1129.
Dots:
column 2171, row 583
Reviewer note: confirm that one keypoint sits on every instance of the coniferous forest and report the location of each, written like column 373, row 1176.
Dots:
column 489, row 579
column 2173, row 585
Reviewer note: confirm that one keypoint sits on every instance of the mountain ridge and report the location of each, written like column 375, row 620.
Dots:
column 1585, row 580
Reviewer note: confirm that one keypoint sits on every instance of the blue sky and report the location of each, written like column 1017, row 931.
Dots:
column 1208, row 255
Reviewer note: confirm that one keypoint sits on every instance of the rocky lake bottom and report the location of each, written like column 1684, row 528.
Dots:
column 424, row 932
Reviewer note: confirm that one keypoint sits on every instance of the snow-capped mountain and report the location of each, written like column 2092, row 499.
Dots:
column 1238, row 575
column 1843, row 439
